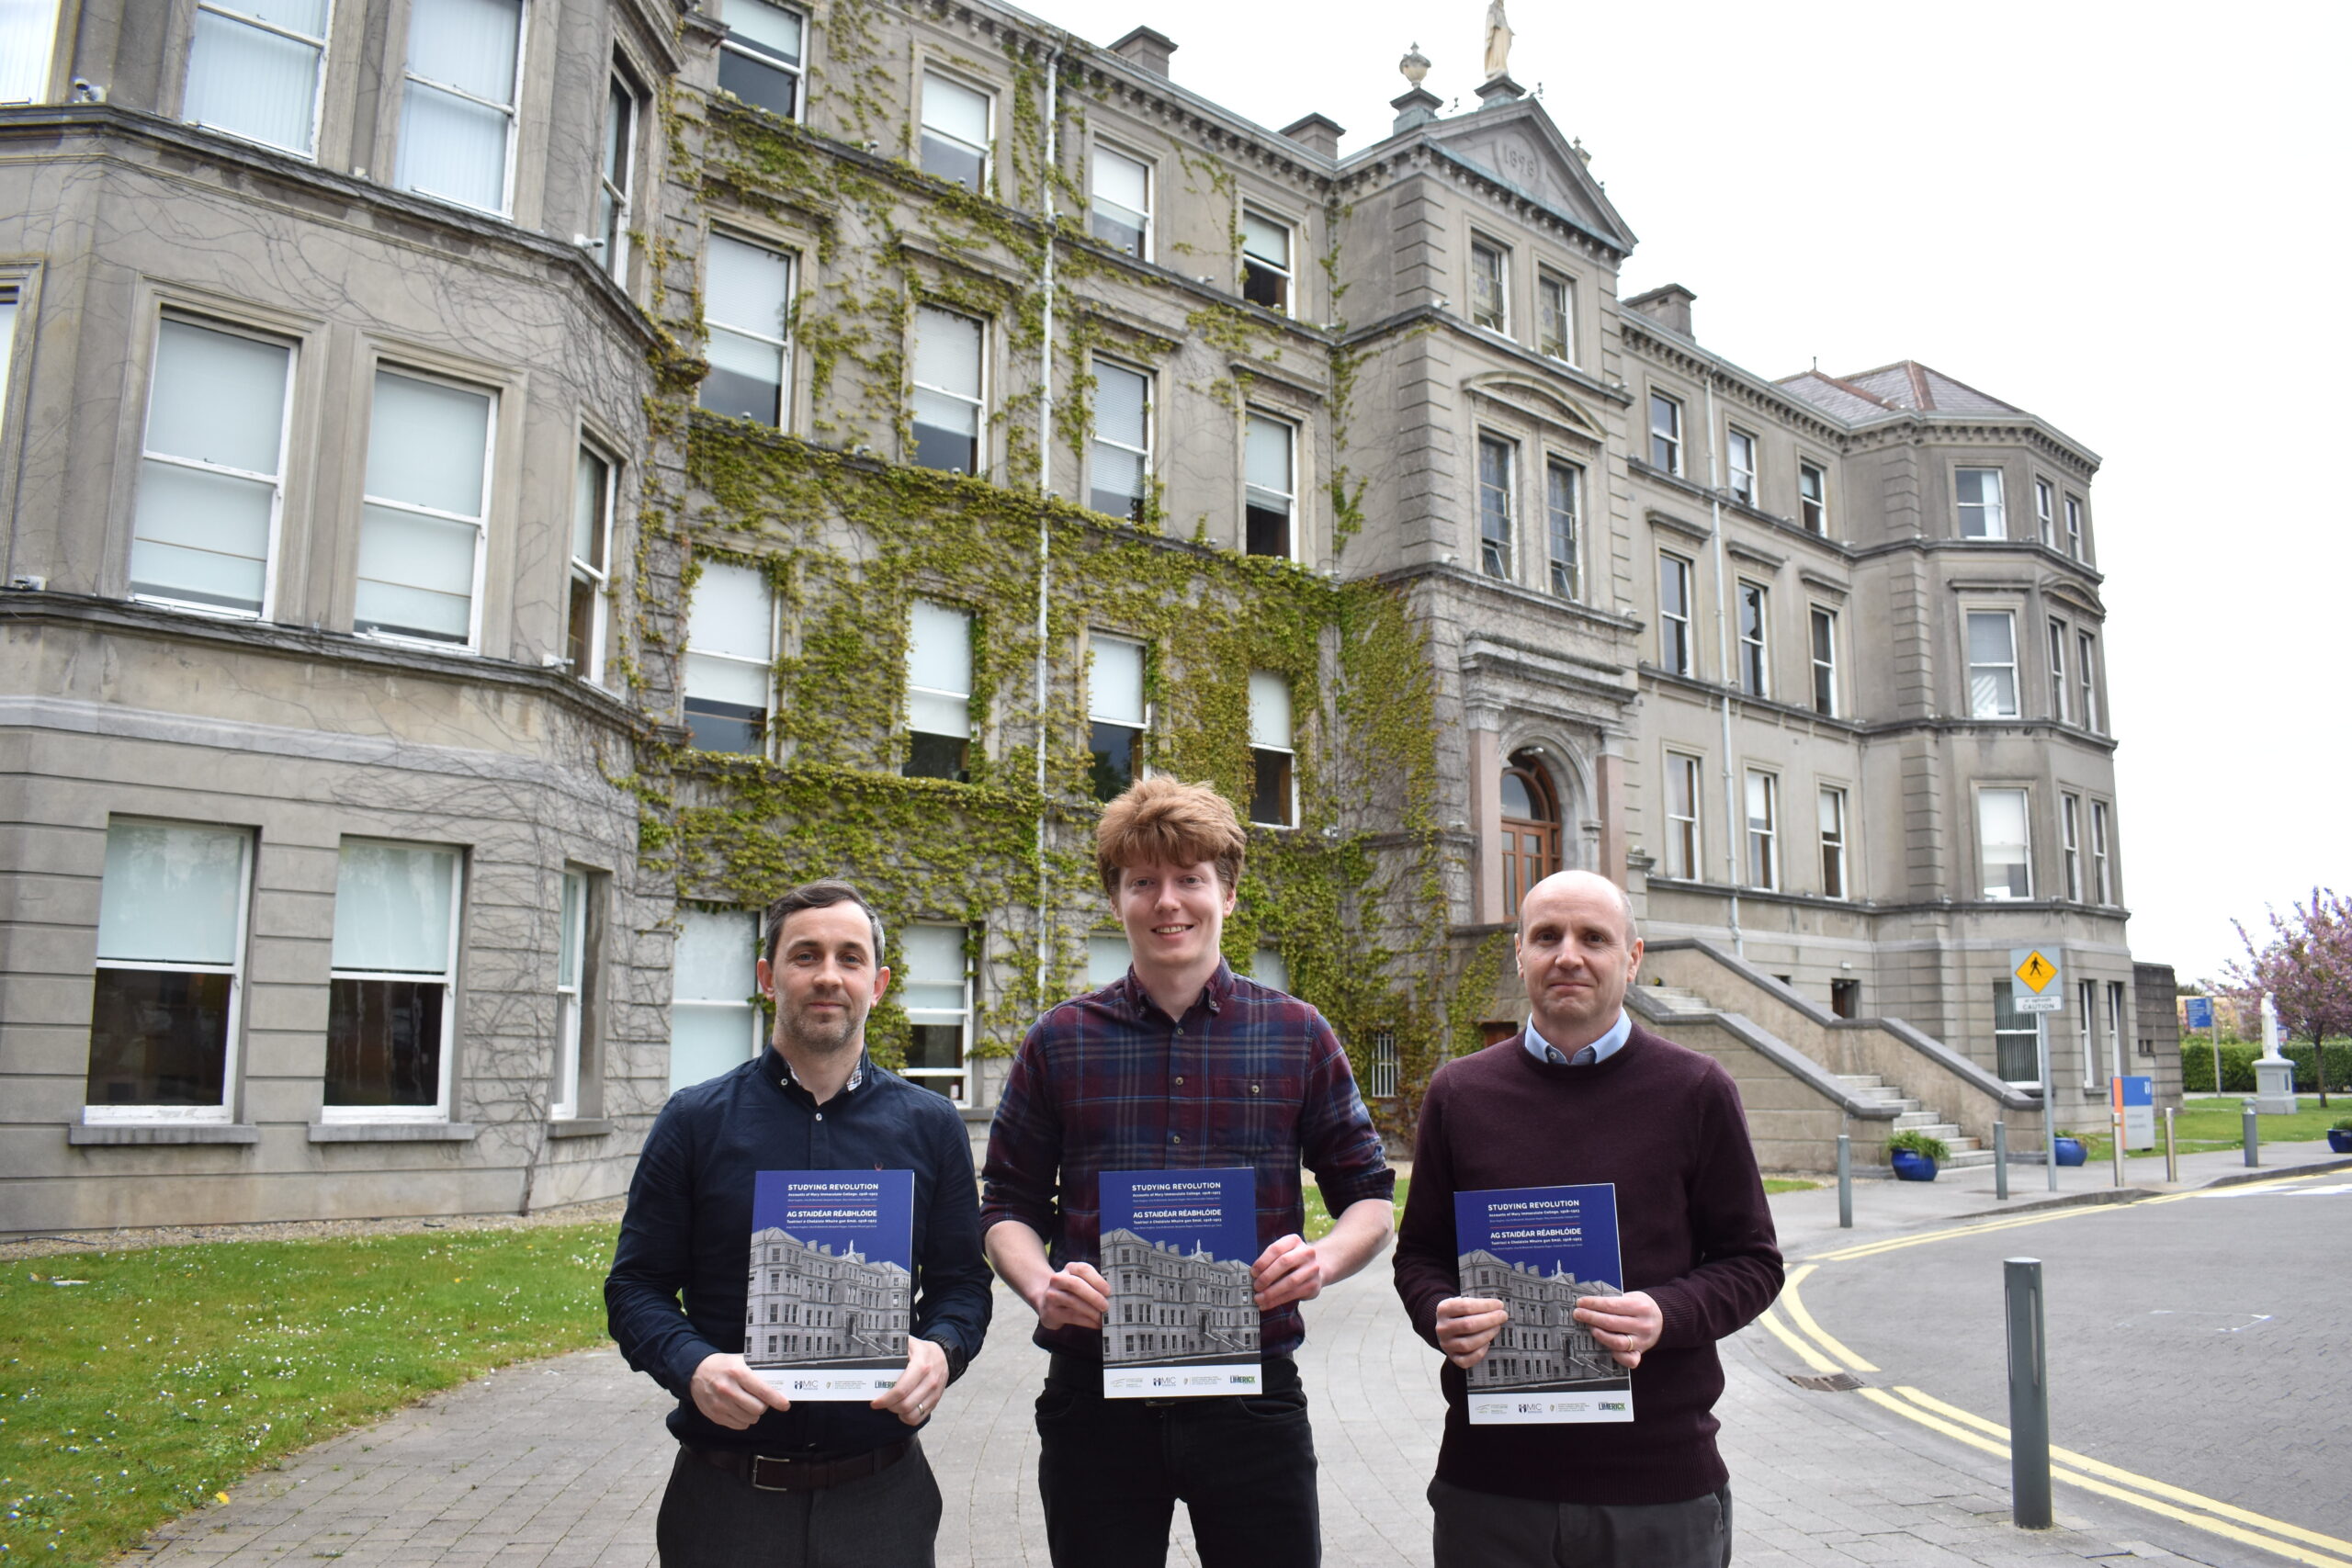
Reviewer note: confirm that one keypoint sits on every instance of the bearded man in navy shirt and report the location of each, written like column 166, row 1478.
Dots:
column 758, row 1480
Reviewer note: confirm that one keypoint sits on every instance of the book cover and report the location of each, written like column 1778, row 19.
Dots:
column 1540, row 1250
column 831, row 1291
column 1176, row 1250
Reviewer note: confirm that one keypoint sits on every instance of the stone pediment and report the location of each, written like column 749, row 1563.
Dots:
column 1519, row 144
column 1524, row 396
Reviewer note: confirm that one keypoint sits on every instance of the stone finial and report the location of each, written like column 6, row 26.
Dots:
column 1415, row 65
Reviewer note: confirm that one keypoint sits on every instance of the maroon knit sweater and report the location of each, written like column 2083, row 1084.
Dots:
column 1664, row 1124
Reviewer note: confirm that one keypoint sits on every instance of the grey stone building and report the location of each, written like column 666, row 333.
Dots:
column 808, row 1305
column 1168, row 1304
column 1542, row 1344
column 494, row 492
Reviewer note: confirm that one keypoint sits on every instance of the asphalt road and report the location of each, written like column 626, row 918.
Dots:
column 2199, row 1341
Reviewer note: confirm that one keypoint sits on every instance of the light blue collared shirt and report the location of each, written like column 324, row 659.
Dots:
column 1543, row 1050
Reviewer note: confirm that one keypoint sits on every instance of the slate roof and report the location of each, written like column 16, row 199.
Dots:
column 1906, row 386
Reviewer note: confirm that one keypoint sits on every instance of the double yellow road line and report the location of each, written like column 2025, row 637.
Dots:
column 1823, row 1352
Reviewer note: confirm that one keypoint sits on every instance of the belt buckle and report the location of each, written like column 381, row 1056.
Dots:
column 785, row 1461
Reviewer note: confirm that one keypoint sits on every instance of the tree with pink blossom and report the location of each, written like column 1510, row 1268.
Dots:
column 2306, row 969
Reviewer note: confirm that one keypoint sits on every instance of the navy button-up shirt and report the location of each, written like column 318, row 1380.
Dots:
column 1248, row 1076
column 688, row 1229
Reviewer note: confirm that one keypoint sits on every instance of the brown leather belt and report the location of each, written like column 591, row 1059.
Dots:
column 784, row 1472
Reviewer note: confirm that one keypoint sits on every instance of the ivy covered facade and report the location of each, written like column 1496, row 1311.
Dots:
column 896, row 426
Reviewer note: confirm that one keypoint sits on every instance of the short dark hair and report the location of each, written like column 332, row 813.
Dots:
column 821, row 895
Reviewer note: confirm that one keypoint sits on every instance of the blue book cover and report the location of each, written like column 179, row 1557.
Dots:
column 1176, row 1251
column 1540, row 1250
column 831, row 1291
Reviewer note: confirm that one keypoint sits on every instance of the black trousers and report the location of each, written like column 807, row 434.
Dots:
column 1479, row 1529
column 712, row 1519
column 1110, row 1471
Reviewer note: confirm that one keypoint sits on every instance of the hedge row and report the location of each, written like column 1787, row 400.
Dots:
column 2237, row 1067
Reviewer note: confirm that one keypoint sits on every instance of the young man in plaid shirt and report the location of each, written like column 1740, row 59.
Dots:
column 1179, row 1065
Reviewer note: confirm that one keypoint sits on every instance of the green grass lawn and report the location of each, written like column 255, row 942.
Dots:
column 137, row 1385
column 1776, row 1184
column 2212, row 1121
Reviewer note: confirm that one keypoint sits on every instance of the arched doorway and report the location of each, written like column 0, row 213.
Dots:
column 1531, row 828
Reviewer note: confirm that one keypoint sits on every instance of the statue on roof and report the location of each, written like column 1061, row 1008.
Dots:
column 1497, row 40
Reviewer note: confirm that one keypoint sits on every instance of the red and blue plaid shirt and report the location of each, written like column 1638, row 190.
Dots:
column 1248, row 1076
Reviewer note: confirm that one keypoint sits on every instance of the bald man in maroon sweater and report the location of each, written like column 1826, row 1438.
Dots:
column 1585, row 1095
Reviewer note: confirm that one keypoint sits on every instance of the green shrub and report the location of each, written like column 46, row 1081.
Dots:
column 2237, row 1067
column 1919, row 1143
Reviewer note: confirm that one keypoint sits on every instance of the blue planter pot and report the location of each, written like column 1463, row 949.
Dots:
column 2341, row 1142
column 2071, row 1151
column 1910, row 1167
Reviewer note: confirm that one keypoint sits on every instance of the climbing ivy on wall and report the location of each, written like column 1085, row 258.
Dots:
column 1354, row 896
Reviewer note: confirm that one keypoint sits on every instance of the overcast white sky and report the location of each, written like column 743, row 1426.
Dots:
column 2128, row 219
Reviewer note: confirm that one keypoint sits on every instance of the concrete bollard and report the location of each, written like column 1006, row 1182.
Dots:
column 2001, row 1161
column 2029, row 1396
column 1845, row 1182
column 2251, row 1129
column 2172, row 1152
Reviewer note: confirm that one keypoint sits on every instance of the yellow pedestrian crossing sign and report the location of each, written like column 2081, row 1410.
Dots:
column 2033, row 984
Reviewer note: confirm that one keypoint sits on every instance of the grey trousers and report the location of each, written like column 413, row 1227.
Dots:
column 1479, row 1529
column 712, row 1519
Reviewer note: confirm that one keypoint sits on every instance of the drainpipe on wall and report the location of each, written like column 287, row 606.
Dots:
column 1732, row 836
column 1046, row 489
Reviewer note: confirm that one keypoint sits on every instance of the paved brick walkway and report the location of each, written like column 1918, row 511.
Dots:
column 561, row 1464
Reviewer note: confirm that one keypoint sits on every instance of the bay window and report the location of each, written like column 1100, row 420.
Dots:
column 1992, row 664
column 392, row 1007
column 1982, row 515
column 425, row 510
column 169, row 988
column 212, row 470
column 2004, row 844
column 592, row 543
column 253, row 70
column 457, row 101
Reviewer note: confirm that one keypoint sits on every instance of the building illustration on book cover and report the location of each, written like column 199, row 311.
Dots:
column 830, row 1296
column 1540, row 1251
column 1172, row 1305
column 1175, row 1253
column 1542, row 1346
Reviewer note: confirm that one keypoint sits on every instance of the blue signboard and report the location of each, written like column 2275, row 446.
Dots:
column 2200, row 1012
